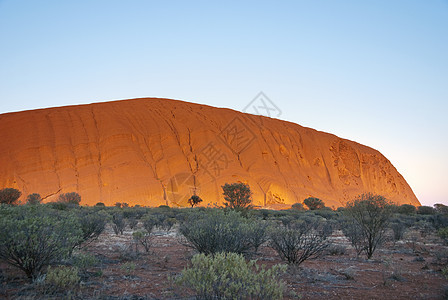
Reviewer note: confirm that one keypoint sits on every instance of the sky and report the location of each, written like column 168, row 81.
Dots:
column 375, row 72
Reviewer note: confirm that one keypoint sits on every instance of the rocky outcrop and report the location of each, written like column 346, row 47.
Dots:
column 159, row 151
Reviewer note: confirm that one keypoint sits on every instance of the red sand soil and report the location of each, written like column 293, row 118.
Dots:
column 404, row 271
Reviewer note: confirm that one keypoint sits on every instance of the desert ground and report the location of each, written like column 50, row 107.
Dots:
column 408, row 269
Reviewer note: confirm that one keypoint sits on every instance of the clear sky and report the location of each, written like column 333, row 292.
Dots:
column 375, row 72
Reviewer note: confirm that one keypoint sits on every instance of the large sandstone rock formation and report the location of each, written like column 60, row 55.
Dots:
column 159, row 151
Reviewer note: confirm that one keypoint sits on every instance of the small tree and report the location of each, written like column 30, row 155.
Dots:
column 33, row 199
column 70, row 198
column 194, row 200
column 9, row 196
column 118, row 223
column 237, row 196
column 300, row 241
column 370, row 216
column 314, row 203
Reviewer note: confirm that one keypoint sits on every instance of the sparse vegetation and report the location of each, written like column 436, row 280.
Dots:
column 301, row 234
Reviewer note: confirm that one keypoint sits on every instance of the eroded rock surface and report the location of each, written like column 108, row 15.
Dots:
column 159, row 151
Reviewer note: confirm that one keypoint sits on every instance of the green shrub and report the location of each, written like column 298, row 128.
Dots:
column 369, row 217
column 128, row 268
column 297, row 206
column 118, row 223
column 149, row 222
column 229, row 276
column 142, row 238
column 426, row 210
column 257, row 233
column 300, row 241
column 406, row 209
column 132, row 221
column 398, row 230
column 9, row 196
column 216, row 231
column 33, row 237
column 70, row 198
column 92, row 224
column 61, row 279
column 443, row 234
column 33, row 199
column 83, row 261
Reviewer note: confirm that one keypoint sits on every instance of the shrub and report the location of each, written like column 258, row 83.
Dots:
column 398, row 230
column 257, row 234
column 83, row 261
column 33, row 199
column 33, row 237
column 100, row 204
column 9, row 196
column 300, row 241
column 441, row 208
column 229, row 276
column 314, row 203
column 237, row 196
column 132, row 221
column 352, row 231
column 438, row 221
column 369, row 215
column 426, row 210
column 336, row 250
column 61, row 279
column 406, row 209
column 297, row 206
column 70, row 198
column 92, row 225
column 215, row 231
column 194, row 200
column 128, row 268
column 142, row 238
column 149, row 222
column 443, row 234
column 118, row 223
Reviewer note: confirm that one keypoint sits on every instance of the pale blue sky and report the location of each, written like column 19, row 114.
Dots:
column 371, row 71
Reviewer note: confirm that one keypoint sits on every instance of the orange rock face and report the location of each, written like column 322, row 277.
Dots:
column 158, row 151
